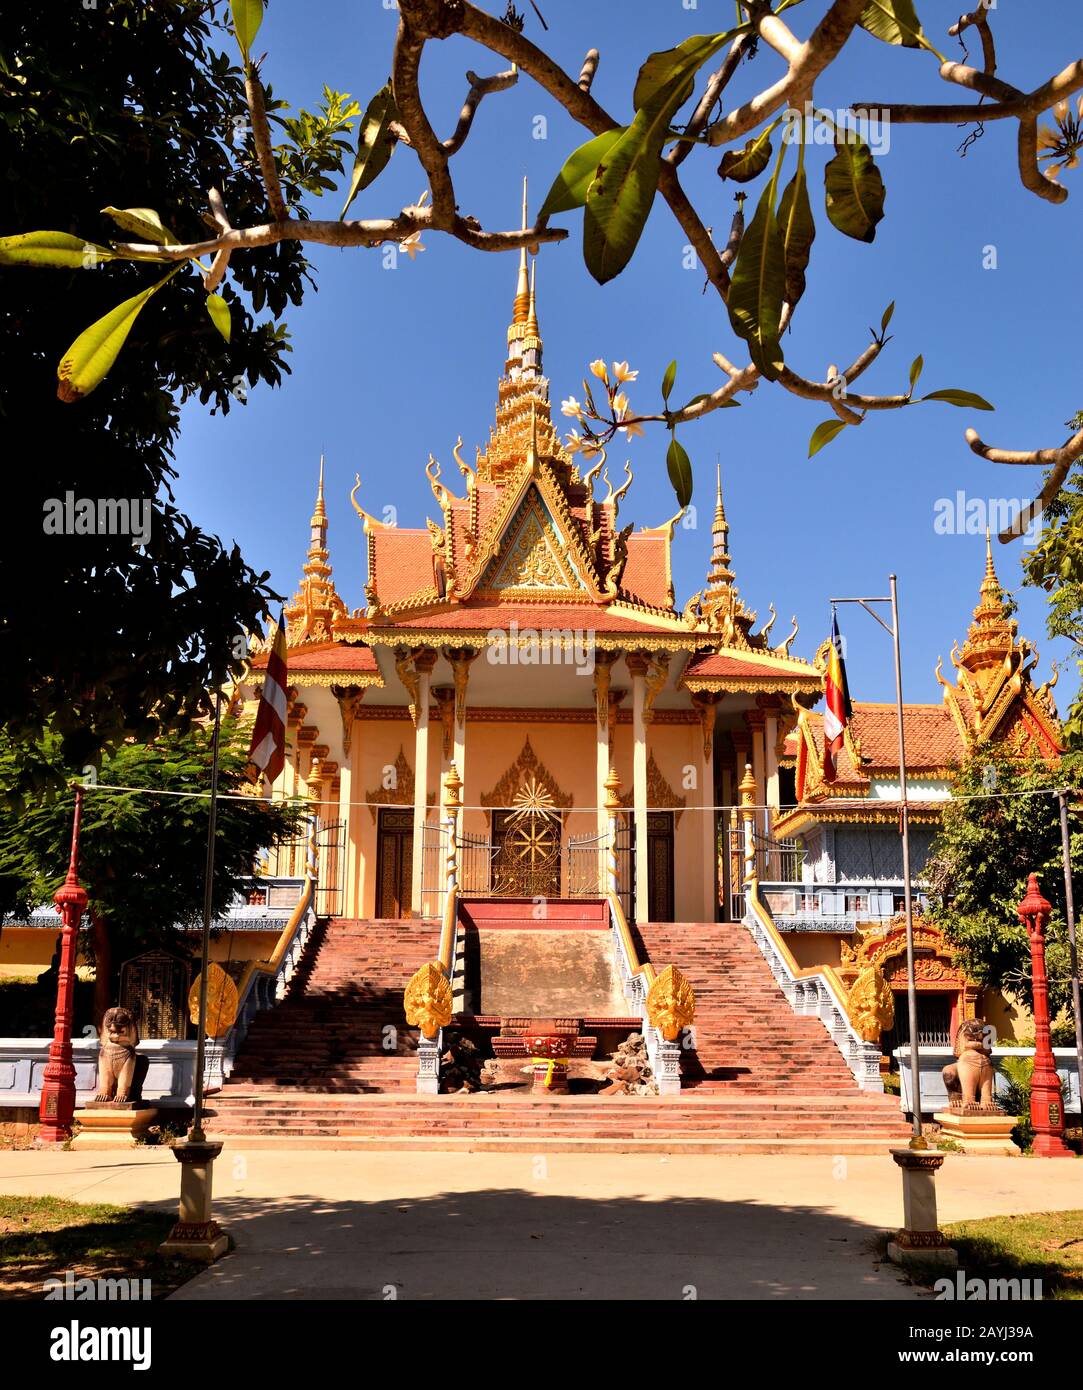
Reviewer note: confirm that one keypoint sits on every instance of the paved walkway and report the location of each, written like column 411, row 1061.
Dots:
column 311, row 1224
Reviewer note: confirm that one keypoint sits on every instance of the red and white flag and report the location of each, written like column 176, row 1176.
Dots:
column 267, row 755
column 837, row 714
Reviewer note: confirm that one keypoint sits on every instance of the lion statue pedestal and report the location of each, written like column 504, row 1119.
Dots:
column 117, row 1116
column 973, row 1120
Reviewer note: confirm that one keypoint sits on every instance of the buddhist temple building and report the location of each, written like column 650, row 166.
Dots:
column 528, row 633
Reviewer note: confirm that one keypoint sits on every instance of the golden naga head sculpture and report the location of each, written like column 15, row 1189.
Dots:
column 671, row 1003
column 872, row 1005
column 427, row 1000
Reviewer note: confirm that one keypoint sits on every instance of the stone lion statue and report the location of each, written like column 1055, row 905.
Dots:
column 118, row 1064
column 969, row 1078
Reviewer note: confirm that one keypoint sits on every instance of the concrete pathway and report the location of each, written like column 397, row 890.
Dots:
column 312, row 1225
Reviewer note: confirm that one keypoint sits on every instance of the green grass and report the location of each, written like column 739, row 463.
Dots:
column 1046, row 1245
column 43, row 1237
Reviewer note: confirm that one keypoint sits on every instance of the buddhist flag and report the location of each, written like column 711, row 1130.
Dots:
column 267, row 756
column 837, row 714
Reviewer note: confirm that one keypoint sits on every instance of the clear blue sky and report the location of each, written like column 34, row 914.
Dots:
column 390, row 364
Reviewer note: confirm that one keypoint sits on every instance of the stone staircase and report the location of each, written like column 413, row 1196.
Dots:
column 314, row 1072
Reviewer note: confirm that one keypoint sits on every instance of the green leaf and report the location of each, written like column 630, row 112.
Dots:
column 219, row 312
column 744, row 164
column 619, row 198
column 798, row 233
column 968, row 400
column 894, row 21
column 672, row 68
column 886, row 318
column 679, row 467
column 758, row 287
column 854, row 189
column 144, row 223
column 247, row 17
column 570, row 186
column 915, row 371
column 824, row 434
column 89, row 358
column 55, row 249
column 374, row 143
column 668, row 380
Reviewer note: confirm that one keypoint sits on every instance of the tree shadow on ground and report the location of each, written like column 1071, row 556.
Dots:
column 520, row 1244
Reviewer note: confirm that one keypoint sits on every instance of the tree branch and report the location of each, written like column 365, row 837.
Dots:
column 479, row 87
column 261, row 136
column 1059, row 461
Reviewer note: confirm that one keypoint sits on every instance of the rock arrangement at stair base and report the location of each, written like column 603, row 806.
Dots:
column 461, row 1063
column 630, row 1072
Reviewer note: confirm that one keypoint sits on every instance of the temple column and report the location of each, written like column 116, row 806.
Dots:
column 706, row 705
column 422, row 662
column 770, row 706
column 604, row 662
column 756, row 720
column 649, row 672
column 637, row 667
column 349, row 705
column 461, row 659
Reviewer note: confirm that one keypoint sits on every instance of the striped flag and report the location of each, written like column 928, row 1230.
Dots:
column 838, row 711
column 267, row 756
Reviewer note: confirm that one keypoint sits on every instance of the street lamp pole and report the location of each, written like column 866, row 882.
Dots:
column 917, row 1140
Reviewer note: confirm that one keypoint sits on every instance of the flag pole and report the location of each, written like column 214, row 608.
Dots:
column 196, row 1135
column 917, row 1141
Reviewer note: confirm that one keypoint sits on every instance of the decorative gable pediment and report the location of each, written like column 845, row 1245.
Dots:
column 530, row 559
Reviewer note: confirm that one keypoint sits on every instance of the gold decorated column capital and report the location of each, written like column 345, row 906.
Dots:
column 452, row 789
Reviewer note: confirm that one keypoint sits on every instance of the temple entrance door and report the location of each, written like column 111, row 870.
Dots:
column 394, row 861
column 526, row 854
column 660, row 865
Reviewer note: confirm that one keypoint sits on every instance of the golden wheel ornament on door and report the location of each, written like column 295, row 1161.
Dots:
column 529, row 862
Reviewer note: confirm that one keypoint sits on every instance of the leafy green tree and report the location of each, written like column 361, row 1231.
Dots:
column 994, row 833
column 1056, row 565
column 103, row 641
column 142, row 851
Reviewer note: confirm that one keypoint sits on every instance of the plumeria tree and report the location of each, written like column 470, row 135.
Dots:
column 679, row 110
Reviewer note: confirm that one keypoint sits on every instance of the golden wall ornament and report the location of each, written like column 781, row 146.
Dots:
column 427, row 1000
column 401, row 791
column 671, row 1003
column 527, row 767
column 871, row 1005
column 349, row 704
column 222, row 1001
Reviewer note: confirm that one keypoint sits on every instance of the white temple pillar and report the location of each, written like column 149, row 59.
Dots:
column 461, row 659
column 348, row 866
column 604, row 714
column 637, row 666
column 770, row 739
column 706, row 705
column 756, row 720
column 423, row 663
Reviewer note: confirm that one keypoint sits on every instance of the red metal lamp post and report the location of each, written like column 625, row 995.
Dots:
column 1046, row 1102
column 58, row 1084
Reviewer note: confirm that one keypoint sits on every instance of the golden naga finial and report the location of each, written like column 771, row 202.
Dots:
column 433, row 472
column 769, row 625
column 588, row 479
column 783, row 648
column 616, row 499
column 871, row 1005
column 671, row 1003
column 464, row 468
column 939, row 673
column 609, row 486
column 427, row 1000
column 367, row 519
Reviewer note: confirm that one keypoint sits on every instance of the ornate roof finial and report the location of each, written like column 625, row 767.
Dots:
column 532, row 308
column 522, row 288
column 990, row 572
column 319, row 516
column 720, row 576
column 312, row 610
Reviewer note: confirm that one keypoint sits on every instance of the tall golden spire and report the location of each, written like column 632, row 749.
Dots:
column 720, row 576
column 524, row 421
column 311, row 611
column 522, row 288
column 992, row 634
